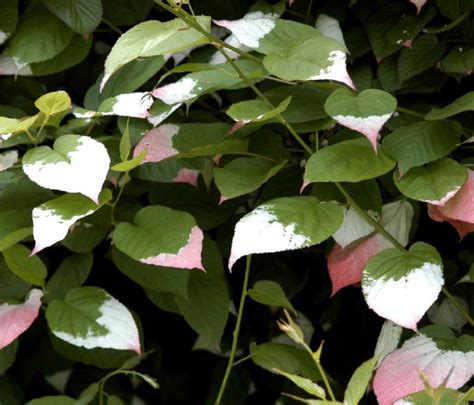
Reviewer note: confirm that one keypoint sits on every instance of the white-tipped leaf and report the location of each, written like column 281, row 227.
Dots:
column 329, row 27
column 134, row 105
column 401, row 287
column 76, row 164
column 284, row 224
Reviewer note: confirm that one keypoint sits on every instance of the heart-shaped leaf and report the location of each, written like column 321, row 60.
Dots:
column 402, row 286
column 435, row 183
column 82, row 16
column 350, row 161
column 282, row 224
column 162, row 237
column 76, row 164
column 366, row 113
column 53, row 103
column 17, row 318
column 89, row 317
column 439, row 359
column 52, row 219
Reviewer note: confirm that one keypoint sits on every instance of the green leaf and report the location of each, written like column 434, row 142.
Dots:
column 124, row 145
column 409, row 27
column 270, row 293
column 350, row 161
column 126, row 12
column 435, row 183
column 161, row 237
column 29, row 268
column 359, row 382
column 256, row 110
column 244, row 175
column 88, row 395
column 304, row 383
column 53, row 400
column 154, row 278
column 131, row 164
column 82, row 16
column 153, row 38
column 8, row 18
column 366, row 112
column 459, row 61
column 462, row 104
column 72, row 273
column 421, row 143
column 91, row 318
column 452, row 9
column 12, row 287
column 33, row 42
column 423, row 55
column 53, row 103
column 289, row 359
column 283, row 224
column 314, row 59
column 8, row 356
column 416, row 276
column 206, row 307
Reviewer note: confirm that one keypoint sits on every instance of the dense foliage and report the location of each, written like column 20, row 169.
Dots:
column 229, row 202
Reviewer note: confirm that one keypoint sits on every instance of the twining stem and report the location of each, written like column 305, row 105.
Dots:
column 459, row 307
column 235, row 335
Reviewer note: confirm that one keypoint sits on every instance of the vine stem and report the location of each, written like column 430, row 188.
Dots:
column 235, row 335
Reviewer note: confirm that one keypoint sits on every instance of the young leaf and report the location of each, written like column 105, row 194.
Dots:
column 462, row 104
column 436, row 183
column 366, row 113
column 350, row 161
column 417, row 277
column 424, row 142
column 82, row 16
column 284, row 224
column 256, row 111
column 162, row 237
column 244, row 175
column 359, row 382
column 438, row 359
column 76, row 164
column 89, row 317
column 53, row 103
column 270, row 293
column 314, row 59
column 52, row 219
column 29, row 268
column 152, row 38
column 304, row 383
column 17, row 318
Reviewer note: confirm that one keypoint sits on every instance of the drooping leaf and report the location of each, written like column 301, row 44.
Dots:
column 439, row 359
column 350, row 161
column 35, row 42
column 91, row 318
column 463, row 103
column 346, row 263
column 17, row 318
column 82, row 16
column 417, row 277
column 153, row 38
column 270, row 293
column 436, row 183
column 76, row 164
column 162, row 237
column 424, row 142
column 366, row 113
column 244, row 175
column 29, row 268
column 282, row 224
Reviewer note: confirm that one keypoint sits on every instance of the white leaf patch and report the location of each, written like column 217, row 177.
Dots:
column 217, row 58
column 122, row 332
column 8, row 159
column 260, row 232
column 405, row 300
column 158, row 143
column 354, row 227
column 330, row 28
column 418, row 4
column 177, row 92
column 336, row 70
column 12, row 66
column 369, row 126
column 132, row 105
column 250, row 29
column 441, row 202
column 81, row 170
